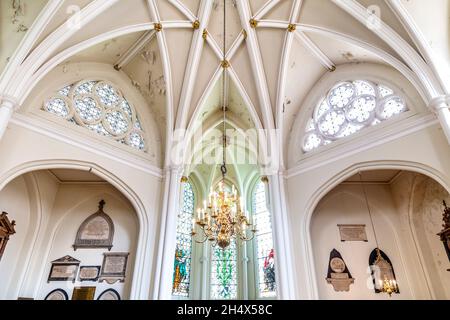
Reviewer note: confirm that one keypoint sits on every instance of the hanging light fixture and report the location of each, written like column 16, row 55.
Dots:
column 386, row 285
column 223, row 217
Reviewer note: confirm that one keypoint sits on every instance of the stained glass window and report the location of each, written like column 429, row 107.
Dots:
column 224, row 272
column 182, row 263
column 265, row 256
column 99, row 107
column 348, row 108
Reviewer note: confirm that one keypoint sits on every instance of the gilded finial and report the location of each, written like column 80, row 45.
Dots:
column 205, row 34
column 253, row 23
column 225, row 64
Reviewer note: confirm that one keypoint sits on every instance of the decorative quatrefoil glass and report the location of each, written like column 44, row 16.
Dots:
column 99, row 107
column 348, row 108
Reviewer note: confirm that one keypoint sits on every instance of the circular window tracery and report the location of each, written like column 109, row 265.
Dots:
column 348, row 108
column 100, row 107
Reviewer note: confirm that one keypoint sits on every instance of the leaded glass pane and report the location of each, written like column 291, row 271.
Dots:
column 57, row 106
column 108, row 95
column 182, row 263
column 84, row 101
column 348, row 108
column 85, row 88
column 224, row 272
column 265, row 256
column 100, row 129
column 117, row 122
column 87, row 109
column 136, row 141
column 65, row 91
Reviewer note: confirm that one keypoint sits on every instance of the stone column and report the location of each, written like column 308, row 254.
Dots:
column 285, row 276
column 168, row 232
column 7, row 107
column 441, row 106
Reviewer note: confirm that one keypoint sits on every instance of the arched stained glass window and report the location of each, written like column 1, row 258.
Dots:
column 265, row 263
column 224, row 272
column 223, row 277
column 348, row 108
column 99, row 107
column 182, row 263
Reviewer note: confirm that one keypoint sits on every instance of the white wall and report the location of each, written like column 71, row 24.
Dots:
column 419, row 201
column 48, row 214
column 346, row 205
column 75, row 203
column 26, row 149
column 14, row 200
column 424, row 151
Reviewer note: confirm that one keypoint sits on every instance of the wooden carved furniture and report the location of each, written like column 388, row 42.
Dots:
column 97, row 231
column 445, row 233
column 6, row 230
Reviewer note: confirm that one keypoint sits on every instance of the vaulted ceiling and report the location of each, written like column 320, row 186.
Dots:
column 171, row 51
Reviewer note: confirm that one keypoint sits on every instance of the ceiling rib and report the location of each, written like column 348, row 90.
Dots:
column 257, row 66
column 192, row 67
column 164, row 51
column 282, row 77
column 236, row 44
column 134, row 49
column 315, row 50
column 185, row 10
column 265, row 9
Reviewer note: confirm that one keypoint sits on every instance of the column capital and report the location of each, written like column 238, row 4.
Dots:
column 438, row 103
column 9, row 102
column 173, row 170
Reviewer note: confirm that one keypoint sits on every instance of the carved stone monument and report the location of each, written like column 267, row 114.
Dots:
column 338, row 274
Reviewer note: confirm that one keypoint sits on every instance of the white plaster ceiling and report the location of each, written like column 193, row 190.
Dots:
column 375, row 176
column 181, row 99
column 69, row 175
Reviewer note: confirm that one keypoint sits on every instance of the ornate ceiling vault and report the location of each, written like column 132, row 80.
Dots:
column 171, row 51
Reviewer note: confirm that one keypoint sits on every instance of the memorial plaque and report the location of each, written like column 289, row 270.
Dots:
column 64, row 269
column 58, row 294
column 89, row 273
column 338, row 274
column 109, row 294
column 114, row 267
column 83, row 293
column 97, row 231
column 353, row 232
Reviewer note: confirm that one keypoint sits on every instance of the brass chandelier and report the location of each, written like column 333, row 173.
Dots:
column 386, row 285
column 222, row 218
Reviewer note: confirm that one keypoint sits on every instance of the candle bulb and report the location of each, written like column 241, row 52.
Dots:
column 204, row 205
column 199, row 213
column 193, row 224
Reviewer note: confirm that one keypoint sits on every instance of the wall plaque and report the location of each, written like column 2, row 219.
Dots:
column 89, row 273
column 338, row 274
column 58, row 294
column 382, row 271
column 109, row 294
column 83, row 293
column 353, row 232
column 114, row 267
column 97, row 231
column 64, row 269
column 6, row 230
